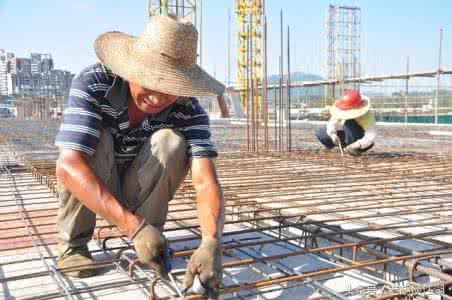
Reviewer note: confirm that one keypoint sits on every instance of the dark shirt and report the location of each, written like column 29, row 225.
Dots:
column 99, row 99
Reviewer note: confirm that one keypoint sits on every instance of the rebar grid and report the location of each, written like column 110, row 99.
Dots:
column 355, row 214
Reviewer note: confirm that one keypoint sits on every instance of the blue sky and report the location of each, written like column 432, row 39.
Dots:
column 390, row 31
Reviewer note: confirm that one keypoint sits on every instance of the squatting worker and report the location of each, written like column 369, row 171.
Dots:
column 129, row 135
column 351, row 124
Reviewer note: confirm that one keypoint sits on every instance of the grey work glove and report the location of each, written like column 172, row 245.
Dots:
column 353, row 150
column 206, row 264
column 335, row 139
column 152, row 248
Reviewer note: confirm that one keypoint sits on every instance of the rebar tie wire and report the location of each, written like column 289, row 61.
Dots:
column 133, row 264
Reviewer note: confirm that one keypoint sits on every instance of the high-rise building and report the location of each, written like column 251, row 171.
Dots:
column 23, row 65
column 46, row 63
column 24, row 83
column 12, row 67
column 3, row 72
column 11, row 83
column 35, row 63
column 34, row 76
column 11, row 76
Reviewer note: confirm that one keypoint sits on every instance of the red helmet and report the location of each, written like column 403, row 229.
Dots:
column 349, row 100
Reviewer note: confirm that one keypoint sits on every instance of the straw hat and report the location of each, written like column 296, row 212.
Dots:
column 350, row 105
column 163, row 58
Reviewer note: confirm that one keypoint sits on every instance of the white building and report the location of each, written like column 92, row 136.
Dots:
column 3, row 72
column 11, row 83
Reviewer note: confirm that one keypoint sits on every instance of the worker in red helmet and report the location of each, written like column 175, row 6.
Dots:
column 351, row 124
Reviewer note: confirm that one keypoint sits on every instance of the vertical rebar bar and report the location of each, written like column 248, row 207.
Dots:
column 281, row 75
column 252, row 71
column 275, row 108
column 265, row 83
column 280, row 107
column 248, row 88
column 200, row 33
column 406, row 88
column 289, row 133
column 229, row 47
column 438, row 76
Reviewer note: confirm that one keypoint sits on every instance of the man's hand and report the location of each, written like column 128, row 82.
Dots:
column 152, row 248
column 335, row 138
column 353, row 149
column 205, row 265
column 206, row 262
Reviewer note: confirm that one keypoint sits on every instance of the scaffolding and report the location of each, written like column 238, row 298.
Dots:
column 183, row 8
column 343, row 46
column 249, row 51
column 250, row 72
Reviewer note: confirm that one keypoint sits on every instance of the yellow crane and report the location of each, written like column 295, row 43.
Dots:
column 249, row 50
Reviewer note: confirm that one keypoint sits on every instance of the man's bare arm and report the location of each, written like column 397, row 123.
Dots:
column 209, row 197
column 206, row 261
column 78, row 177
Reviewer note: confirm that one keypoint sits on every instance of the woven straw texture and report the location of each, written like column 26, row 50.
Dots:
column 162, row 59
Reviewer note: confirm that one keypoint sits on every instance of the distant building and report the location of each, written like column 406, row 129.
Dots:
column 23, row 65
column 11, row 83
column 11, row 61
column 35, row 63
column 23, row 81
column 3, row 73
column 34, row 76
column 46, row 63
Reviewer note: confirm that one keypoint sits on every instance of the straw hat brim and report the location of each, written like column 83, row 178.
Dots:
column 350, row 114
column 120, row 52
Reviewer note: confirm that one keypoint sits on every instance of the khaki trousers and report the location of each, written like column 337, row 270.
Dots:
column 145, row 186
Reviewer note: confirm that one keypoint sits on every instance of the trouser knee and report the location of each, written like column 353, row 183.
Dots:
column 75, row 222
column 154, row 176
column 324, row 138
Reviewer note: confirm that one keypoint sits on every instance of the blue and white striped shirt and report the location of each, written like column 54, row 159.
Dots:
column 99, row 98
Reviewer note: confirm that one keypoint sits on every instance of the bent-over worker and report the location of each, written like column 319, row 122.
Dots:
column 130, row 133
column 351, row 125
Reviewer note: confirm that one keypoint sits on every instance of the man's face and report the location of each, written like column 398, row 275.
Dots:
column 150, row 101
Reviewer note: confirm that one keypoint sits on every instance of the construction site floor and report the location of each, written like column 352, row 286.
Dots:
column 304, row 224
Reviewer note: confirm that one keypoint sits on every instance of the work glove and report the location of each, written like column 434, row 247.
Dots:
column 353, row 149
column 152, row 248
column 205, row 269
column 335, row 138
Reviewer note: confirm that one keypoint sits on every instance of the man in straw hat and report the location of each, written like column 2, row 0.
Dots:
column 351, row 125
column 130, row 133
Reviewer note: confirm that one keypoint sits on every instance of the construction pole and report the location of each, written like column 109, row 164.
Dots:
column 164, row 7
column 248, row 61
column 265, row 83
column 281, row 74
column 276, row 115
column 406, row 88
column 200, row 33
column 252, row 72
column 229, row 47
column 280, row 109
column 289, row 128
column 438, row 76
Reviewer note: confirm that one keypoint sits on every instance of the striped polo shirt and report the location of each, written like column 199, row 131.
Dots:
column 99, row 99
